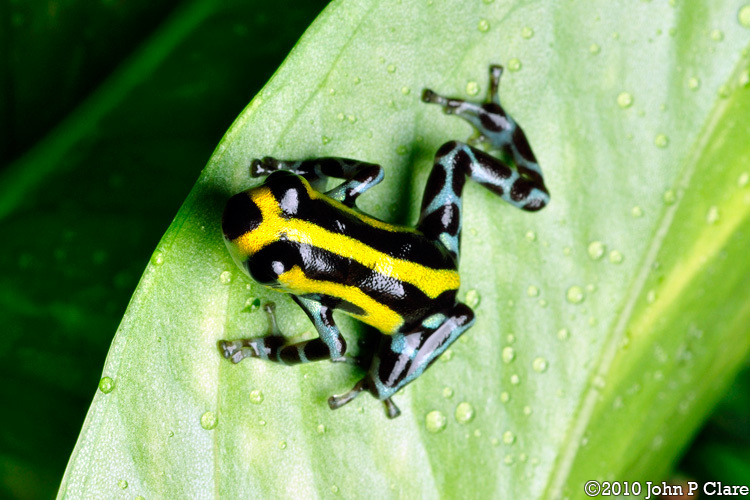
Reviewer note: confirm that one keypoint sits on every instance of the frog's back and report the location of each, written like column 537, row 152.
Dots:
column 385, row 275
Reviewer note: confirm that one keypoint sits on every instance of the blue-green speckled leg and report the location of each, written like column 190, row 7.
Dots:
column 273, row 347
column 404, row 357
column 359, row 176
column 513, row 174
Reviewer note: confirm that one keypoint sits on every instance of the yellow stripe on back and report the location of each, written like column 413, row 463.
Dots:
column 376, row 314
column 432, row 282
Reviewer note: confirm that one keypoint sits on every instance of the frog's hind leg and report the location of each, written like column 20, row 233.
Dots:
column 358, row 176
column 513, row 174
column 404, row 357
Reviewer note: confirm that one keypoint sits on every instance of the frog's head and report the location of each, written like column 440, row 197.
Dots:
column 255, row 224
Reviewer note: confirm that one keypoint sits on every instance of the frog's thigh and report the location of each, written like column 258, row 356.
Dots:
column 403, row 358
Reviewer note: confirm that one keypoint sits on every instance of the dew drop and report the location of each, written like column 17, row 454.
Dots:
column 712, row 217
column 514, row 64
column 391, row 68
column 527, row 32
column 325, row 139
column 447, row 355
column 261, row 422
column 122, row 484
column 509, row 438
column 225, row 277
column 743, row 180
column 615, row 257
column 624, row 100
column 340, row 116
column 139, row 497
column 527, row 410
column 209, row 420
column 282, row 445
column 251, row 305
column 508, row 460
column 594, row 48
column 636, row 211
column 531, row 235
column 563, row 334
column 351, row 118
column 717, row 35
column 651, row 296
column 473, row 298
column 256, row 396
column 106, row 385
column 435, row 421
column 447, row 392
column 669, row 196
column 661, row 141
column 542, row 303
column 320, row 429
column 575, row 294
column 405, row 90
column 724, row 91
column 402, row 150
column 694, row 83
column 484, row 25
column 532, row 291
column 504, row 397
column 509, row 354
column 464, row 413
column 515, row 379
column 744, row 79
column 472, row 88
column 157, row 258
column 744, row 16
column 357, row 80
column 540, row 365
column 596, row 250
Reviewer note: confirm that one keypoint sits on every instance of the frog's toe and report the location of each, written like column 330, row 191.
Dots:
column 391, row 410
column 337, row 401
column 263, row 166
column 231, row 350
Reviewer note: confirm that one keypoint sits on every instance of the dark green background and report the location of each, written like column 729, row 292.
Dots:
column 75, row 245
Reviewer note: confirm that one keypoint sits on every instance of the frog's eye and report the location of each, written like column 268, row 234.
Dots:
column 241, row 215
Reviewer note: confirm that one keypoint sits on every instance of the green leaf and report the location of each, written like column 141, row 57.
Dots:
column 608, row 324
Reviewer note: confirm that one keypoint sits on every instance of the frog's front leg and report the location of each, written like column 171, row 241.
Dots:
column 273, row 347
column 358, row 176
column 404, row 357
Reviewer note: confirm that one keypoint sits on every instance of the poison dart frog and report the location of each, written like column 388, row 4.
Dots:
column 327, row 255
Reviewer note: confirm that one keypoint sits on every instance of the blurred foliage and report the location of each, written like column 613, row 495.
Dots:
column 86, row 221
column 721, row 452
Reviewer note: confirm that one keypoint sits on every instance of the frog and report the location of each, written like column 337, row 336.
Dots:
column 293, row 236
